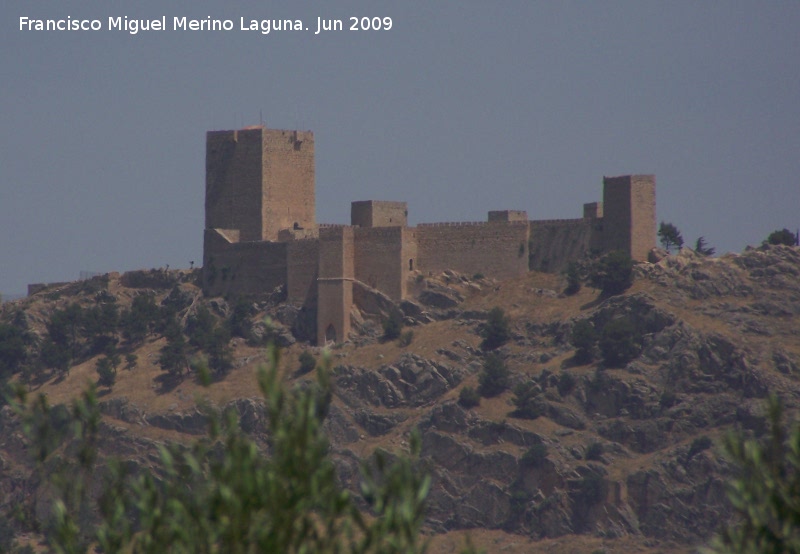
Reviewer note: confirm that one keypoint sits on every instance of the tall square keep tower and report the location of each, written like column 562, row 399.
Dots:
column 260, row 181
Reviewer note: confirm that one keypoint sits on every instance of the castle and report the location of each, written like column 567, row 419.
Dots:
column 261, row 232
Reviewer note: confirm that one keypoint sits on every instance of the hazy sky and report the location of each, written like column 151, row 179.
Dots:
column 460, row 108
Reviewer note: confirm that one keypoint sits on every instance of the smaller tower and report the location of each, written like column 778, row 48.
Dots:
column 334, row 284
column 378, row 213
column 629, row 214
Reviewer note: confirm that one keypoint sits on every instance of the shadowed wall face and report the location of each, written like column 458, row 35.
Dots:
column 234, row 182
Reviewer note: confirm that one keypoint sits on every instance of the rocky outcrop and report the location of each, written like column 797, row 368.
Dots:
column 411, row 381
column 628, row 451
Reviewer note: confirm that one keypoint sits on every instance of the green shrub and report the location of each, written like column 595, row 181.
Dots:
column 670, row 236
column 495, row 377
column 62, row 345
column 566, row 382
column 595, row 451
column 698, row 445
column 469, row 398
column 140, row 319
column 783, row 236
column 764, row 491
column 106, row 372
column 220, row 353
column 620, row 342
column 584, row 338
column 702, row 248
column 496, row 332
column 613, row 274
column 13, row 350
column 173, row 357
column 573, row 279
column 307, row 362
column 519, row 501
column 527, row 402
column 239, row 322
column 200, row 328
column 406, row 338
column 668, row 399
column 534, row 456
column 392, row 326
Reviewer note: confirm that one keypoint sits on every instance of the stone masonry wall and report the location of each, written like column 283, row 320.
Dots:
column 643, row 215
column 497, row 250
column 378, row 213
column 378, row 259
column 302, row 262
column 554, row 243
column 617, row 213
column 288, row 192
column 629, row 221
column 409, row 256
column 242, row 267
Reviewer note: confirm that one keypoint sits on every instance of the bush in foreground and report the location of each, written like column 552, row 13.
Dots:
column 220, row 494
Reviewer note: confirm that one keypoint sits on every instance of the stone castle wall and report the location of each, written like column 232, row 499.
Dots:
column 378, row 259
column 554, row 243
column 302, row 265
column 256, row 267
column 495, row 249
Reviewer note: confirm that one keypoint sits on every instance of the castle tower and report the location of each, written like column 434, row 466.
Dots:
column 629, row 214
column 334, row 284
column 259, row 181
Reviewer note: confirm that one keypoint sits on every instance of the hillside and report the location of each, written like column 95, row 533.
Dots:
column 625, row 459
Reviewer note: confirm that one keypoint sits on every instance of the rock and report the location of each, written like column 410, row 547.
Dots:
column 411, row 308
column 564, row 416
column 262, row 333
column 442, row 299
column 785, row 363
column 656, row 255
column 192, row 423
column 377, row 424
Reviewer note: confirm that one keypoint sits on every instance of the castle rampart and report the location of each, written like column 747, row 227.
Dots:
column 261, row 232
column 494, row 249
column 556, row 242
column 254, row 267
column 379, row 261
